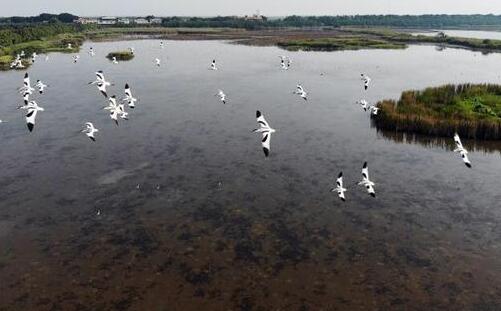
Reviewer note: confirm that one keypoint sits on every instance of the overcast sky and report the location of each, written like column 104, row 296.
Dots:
column 243, row 7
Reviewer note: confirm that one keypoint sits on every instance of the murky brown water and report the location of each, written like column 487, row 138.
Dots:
column 216, row 226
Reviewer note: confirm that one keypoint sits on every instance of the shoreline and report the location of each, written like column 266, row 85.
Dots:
column 291, row 39
column 471, row 110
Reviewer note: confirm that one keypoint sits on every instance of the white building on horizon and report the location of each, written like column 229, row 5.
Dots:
column 107, row 20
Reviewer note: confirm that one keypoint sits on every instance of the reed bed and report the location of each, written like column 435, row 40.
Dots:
column 471, row 110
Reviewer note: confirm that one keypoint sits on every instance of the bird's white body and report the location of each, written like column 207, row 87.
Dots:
column 32, row 110
column 26, row 90
column 366, row 182
column 301, row 92
column 339, row 187
column 461, row 150
column 222, row 96
column 157, row 62
column 128, row 97
column 76, row 58
column 114, row 60
column 366, row 80
column 285, row 62
column 374, row 110
column 101, row 83
column 90, row 130
column 213, row 65
column 17, row 62
column 41, row 86
column 114, row 109
column 364, row 104
column 266, row 131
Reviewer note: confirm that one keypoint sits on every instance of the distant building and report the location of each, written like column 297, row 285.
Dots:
column 86, row 20
column 124, row 20
column 107, row 20
column 141, row 21
column 255, row 17
column 110, row 20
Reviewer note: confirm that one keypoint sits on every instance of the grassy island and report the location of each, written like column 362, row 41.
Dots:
column 393, row 36
column 473, row 111
column 339, row 43
column 121, row 55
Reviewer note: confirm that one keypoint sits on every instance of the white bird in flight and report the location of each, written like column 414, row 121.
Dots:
column 17, row 62
column 461, row 150
column 128, row 97
column 41, row 86
column 90, row 130
column 366, row 182
column 113, row 108
column 285, row 62
column 222, row 96
column 26, row 90
column 213, row 65
column 364, row 104
column 32, row 109
column 76, row 58
column 101, row 83
column 374, row 110
column 266, row 131
column 301, row 92
column 366, row 80
column 114, row 60
column 339, row 187
column 157, row 62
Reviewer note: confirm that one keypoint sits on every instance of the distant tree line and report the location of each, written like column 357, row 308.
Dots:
column 418, row 21
column 42, row 18
column 214, row 22
column 13, row 34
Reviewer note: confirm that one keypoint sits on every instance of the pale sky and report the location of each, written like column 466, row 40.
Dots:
column 247, row 7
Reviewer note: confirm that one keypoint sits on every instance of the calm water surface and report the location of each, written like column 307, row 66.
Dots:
column 193, row 217
column 478, row 34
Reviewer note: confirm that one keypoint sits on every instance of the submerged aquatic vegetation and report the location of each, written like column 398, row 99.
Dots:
column 472, row 110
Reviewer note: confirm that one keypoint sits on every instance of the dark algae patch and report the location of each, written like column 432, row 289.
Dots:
column 471, row 110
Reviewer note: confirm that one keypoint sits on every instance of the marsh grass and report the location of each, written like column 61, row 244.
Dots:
column 339, row 43
column 473, row 111
column 391, row 35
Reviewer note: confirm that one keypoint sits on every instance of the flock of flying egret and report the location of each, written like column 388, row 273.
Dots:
column 117, row 110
